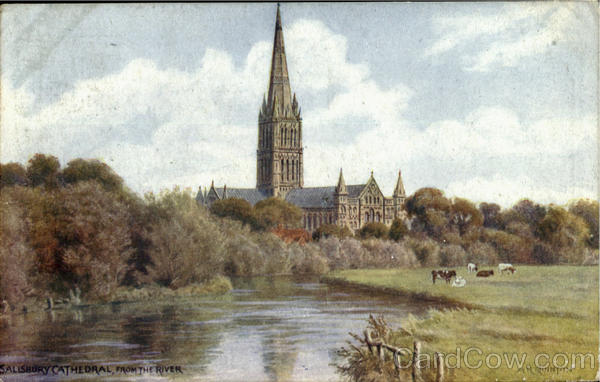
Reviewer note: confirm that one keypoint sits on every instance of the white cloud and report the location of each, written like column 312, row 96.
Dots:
column 158, row 127
column 504, row 39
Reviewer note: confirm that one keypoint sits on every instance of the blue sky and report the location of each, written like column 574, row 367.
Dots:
column 490, row 101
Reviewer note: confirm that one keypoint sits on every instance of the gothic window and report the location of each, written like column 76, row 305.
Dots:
column 314, row 221
column 282, row 168
column 287, row 170
column 378, row 217
column 293, row 173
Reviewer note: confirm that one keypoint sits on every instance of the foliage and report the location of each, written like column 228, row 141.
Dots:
column 12, row 174
column 186, row 246
column 491, row 215
column 588, row 210
column 464, row 214
column 81, row 170
column 327, row 230
column 452, row 256
column 398, row 230
column 274, row 212
column 234, row 208
column 375, row 229
column 43, row 170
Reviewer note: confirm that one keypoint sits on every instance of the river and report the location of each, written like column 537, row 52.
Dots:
column 266, row 329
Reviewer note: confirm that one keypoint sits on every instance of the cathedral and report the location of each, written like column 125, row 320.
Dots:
column 279, row 165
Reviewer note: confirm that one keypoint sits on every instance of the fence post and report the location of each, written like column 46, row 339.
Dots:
column 368, row 340
column 416, row 367
column 439, row 377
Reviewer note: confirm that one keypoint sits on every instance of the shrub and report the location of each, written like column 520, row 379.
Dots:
column 452, row 256
column 427, row 251
column 376, row 230
column 274, row 212
column 482, row 253
column 398, row 230
column 234, row 208
column 327, row 230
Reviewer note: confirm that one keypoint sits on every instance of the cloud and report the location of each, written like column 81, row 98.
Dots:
column 159, row 127
column 506, row 38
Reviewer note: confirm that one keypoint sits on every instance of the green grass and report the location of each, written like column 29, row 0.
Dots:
column 539, row 309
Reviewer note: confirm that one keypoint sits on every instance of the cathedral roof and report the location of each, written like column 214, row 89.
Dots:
column 251, row 195
column 354, row 190
column 311, row 197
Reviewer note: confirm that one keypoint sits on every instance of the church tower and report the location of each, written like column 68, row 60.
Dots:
column 279, row 165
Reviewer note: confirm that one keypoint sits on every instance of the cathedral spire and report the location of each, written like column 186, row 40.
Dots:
column 279, row 83
column 399, row 190
column 341, row 185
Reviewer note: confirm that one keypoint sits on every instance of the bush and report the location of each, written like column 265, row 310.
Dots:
column 17, row 258
column 452, row 256
column 398, row 230
column 327, row 230
column 427, row 251
column 186, row 246
column 376, row 230
column 275, row 212
column 234, row 208
column 482, row 254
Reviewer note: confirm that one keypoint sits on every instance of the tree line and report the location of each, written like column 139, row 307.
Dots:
column 81, row 226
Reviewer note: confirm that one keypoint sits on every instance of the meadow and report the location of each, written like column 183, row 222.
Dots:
column 544, row 311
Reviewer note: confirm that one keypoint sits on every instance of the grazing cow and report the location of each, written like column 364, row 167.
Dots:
column 459, row 282
column 503, row 266
column 485, row 273
column 446, row 275
column 510, row 269
column 471, row 267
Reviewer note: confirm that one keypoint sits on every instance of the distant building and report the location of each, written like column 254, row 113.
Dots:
column 279, row 165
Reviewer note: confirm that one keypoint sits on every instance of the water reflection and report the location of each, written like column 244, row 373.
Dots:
column 267, row 329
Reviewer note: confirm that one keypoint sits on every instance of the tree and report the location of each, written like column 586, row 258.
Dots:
column 327, row 230
column 12, row 174
column 81, row 170
column 588, row 210
column 464, row 214
column 376, row 230
column 398, row 230
column 274, row 212
column 234, row 208
column 43, row 170
column 565, row 232
column 430, row 208
column 491, row 215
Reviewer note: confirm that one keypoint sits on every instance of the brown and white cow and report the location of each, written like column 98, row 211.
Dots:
column 485, row 273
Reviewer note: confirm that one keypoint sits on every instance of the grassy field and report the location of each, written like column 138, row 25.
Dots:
column 539, row 309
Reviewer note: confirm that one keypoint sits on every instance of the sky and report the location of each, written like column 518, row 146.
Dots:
column 490, row 101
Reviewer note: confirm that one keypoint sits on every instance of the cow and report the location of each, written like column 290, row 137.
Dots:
column 510, row 269
column 503, row 266
column 446, row 275
column 459, row 282
column 485, row 273
column 471, row 267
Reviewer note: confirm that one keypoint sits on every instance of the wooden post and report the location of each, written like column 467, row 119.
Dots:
column 439, row 377
column 368, row 340
column 416, row 367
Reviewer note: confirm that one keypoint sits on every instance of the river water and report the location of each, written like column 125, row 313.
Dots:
column 266, row 329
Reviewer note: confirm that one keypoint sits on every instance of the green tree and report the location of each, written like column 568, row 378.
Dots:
column 81, row 170
column 491, row 215
column 464, row 215
column 234, row 208
column 431, row 209
column 274, row 212
column 43, row 170
column 398, row 230
column 376, row 230
column 588, row 210
column 565, row 232
column 12, row 174
column 327, row 230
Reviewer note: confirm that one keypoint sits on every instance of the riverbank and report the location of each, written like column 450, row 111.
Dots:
column 539, row 311
column 216, row 286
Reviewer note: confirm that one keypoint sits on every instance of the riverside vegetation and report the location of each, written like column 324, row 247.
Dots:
column 81, row 227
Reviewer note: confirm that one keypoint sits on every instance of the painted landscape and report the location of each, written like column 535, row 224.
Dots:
column 119, row 262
